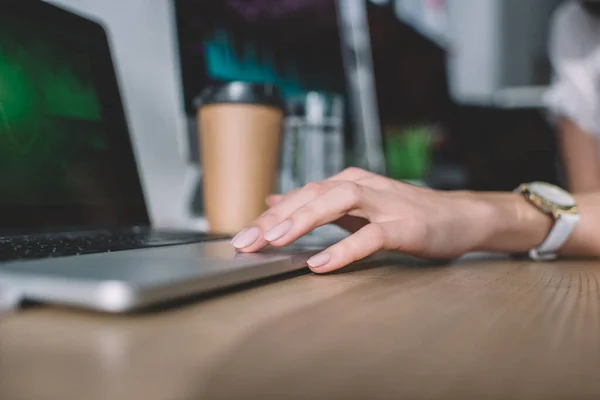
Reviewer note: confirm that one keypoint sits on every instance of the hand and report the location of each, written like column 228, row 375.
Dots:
column 380, row 213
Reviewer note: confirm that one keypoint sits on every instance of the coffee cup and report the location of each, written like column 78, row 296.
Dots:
column 240, row 127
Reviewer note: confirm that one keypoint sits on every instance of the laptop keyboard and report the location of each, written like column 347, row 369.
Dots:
column 33, row 247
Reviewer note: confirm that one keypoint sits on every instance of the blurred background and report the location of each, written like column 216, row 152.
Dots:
column 444, row 93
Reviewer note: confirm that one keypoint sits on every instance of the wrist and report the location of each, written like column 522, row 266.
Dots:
column 511, row 224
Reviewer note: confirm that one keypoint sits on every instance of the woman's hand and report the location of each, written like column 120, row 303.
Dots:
column 380, row 213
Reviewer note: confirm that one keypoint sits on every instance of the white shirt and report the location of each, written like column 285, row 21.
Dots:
column 575, row 56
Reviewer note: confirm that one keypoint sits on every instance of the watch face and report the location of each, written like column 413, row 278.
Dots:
column 552, row 194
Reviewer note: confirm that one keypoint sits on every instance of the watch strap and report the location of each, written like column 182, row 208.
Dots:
column 560, row 232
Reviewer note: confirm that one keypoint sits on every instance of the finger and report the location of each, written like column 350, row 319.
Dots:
column 274, row 199
column 299, row 197
column 284, row 195
column 368, row 240
column 333, row 205
column 252, row 239
column 347, row 222
column 351, row 174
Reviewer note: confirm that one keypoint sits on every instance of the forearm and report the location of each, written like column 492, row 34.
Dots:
column 579, row 152
column 513, row 225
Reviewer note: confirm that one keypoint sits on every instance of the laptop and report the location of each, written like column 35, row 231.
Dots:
column 74, row 226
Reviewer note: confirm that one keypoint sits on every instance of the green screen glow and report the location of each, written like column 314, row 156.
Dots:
column 52, row 144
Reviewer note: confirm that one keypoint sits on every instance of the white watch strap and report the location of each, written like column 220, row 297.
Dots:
column 562, row 228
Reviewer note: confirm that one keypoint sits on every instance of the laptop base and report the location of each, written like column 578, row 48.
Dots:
column 129, row 280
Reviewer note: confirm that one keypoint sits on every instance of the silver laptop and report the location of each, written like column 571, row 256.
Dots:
column 74, row 227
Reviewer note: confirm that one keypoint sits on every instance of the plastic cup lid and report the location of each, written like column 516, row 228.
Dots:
column 241, row 93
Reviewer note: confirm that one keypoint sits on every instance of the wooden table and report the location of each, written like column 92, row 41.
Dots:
column 477, row 329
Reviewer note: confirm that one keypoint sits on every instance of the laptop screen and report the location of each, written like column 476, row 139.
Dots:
column 65, row 156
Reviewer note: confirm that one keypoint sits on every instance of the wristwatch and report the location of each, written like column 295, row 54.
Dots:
column 560, row 206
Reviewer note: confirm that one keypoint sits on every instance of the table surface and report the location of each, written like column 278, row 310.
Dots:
column 478, row 328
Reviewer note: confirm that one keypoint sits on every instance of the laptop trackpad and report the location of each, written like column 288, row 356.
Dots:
column 223, row 250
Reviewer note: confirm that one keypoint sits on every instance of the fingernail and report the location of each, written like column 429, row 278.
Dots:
column 278, row 231
column 319, row 260
column 245, row 238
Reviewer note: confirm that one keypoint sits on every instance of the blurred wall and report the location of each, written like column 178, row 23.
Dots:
column 143, row 40
column 497, row 45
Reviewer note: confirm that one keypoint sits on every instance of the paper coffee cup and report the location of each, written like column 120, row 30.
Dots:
column 240, row 128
